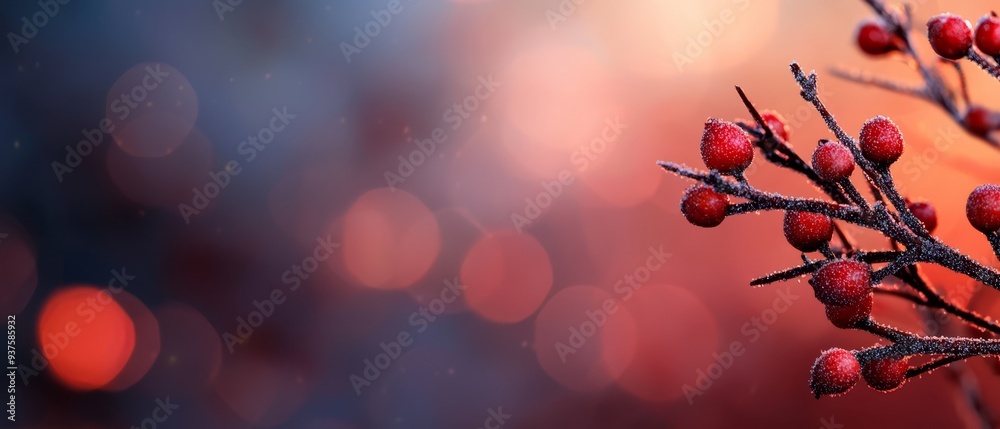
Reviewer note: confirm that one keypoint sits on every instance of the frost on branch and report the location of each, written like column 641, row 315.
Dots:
column 845, row 278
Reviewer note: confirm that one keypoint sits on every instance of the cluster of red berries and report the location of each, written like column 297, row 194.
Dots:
column 728, row 149
column 951, row 37
column 837, row 370
column 844, row 286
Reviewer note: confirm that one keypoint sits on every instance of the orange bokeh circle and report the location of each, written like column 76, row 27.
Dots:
column 584, row 338
column 85, row 336
column 390, row 239
column 507, row 276
column 675, row 336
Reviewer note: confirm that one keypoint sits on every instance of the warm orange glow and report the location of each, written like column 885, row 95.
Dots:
column 86, row 336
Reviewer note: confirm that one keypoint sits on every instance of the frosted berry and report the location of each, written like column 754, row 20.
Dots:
column 983, row 208
column 885, row 374
column 875, row 39
column 726, row 147
column 806, row 231
column 881, row 141
column 704, row 207
column 950, row 35
column 776, row 123
column 833, row 161
column 835, row 372
column 979, row 120
column 988, row 35
column 926, row 213
column 843, row 282
column 847, row 316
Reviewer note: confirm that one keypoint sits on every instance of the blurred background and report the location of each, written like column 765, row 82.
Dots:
column 429, row 214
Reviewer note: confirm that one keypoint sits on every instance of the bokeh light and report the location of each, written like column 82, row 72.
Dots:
column 390, row 239
column 584, row 338
column 18, row 272
column 86, row 336
column 507, row 275
column 150, row 110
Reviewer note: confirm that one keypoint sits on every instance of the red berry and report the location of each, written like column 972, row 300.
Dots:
column 807, row 231
column 926, row 213
column 726, row 147
column 979, row 120
column 835, row 372
column 988, row 35
column 881, row 140
column 833, row 161
column 875, row 39
column 846, row 316
column 704, row 207
column 885, row 374
column 950, row 35
column 776, row 123
column 843, row 282
column 983, row 208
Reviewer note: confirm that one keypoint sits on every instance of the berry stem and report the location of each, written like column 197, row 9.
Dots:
column 778, row 152
column 845, row 240
column 965, row 381
column 932, row 365
column 963, row 83
column 904, row 260
column 908, row 345
column 994, row 239
column 812, row 266
column 983, row 63
column 858, row 76
column 901, row 294
column 878, row 175
column 934, row 89
column 913, row 278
